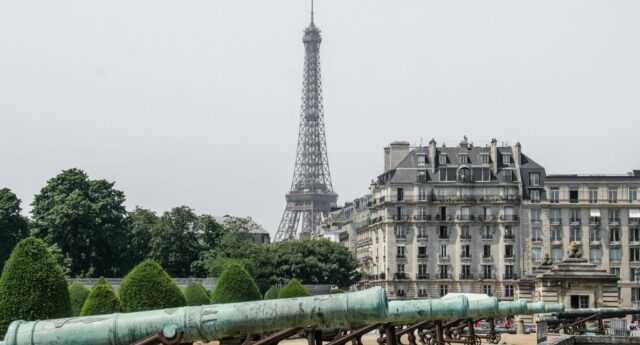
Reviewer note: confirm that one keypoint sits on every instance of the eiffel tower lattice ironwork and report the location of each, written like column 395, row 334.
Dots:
column 311, row 195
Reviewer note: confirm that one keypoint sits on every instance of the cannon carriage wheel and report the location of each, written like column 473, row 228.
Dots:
column 494, row 338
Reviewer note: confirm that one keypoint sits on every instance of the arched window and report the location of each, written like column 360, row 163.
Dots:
column 464, row 174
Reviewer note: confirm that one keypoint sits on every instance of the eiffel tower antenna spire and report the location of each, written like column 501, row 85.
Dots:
column 311, row 196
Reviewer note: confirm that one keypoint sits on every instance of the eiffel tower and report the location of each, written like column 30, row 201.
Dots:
column 311, row 195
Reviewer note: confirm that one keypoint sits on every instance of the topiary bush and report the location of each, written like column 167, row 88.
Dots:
column 149, row 287
column 101, row 300
column 335, row 290
column 235, row 285
column 293, row 289
column 78, row 293
column 32, row 286
column 196, row 294
column 272, row 293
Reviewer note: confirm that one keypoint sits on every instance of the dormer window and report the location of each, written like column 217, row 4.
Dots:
column 506, row 159
column 484, row 158
column 422, row 159
column 463, row 159
column 443, row 159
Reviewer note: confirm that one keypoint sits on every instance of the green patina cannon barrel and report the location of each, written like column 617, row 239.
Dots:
column 210, row 322
column 409, row 311
column 605, row 312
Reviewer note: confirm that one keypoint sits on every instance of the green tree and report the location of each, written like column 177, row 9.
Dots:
column 272, row 293
column 102, row 300
column 141, row 223
column 32, row 286
column 196, row 294
column 149, row 287
column 235, row 285
column 13, row 226
column 86, row 219
column 293, row 289
column 180, row 237
column 78, row 293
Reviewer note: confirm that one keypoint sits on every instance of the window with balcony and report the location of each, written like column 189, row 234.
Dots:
column 614, row 216
column 508, row 214
column 556, row 235
column 444, row 289
column 465, row 234
column 554, row 195
column 594, row 235
column 615, row 254
column 506, row 159
column 487, row 232
column 422, row 194
column 465, row 251
column 486, row 213
column 423, row 213
column 422, row 271
column 465, row 213
column 508, row 251
column 573, row 196
column 486, row 251
column 466, row 272
column 556, row 254
column 634, row 274
column 422, row 232
column 575, row 234
column 534, row 179
column 443, row 251
column 536, row 254
column 508, row 232
column 613, row 195
column 400, row 194
column 444, row 232
column 574, row 216
column 595, row 254
column 422, row 291
column 536, row 234
column 422, row 252
column 614, row 235
column 442, row 159
column 535, row 214
column 401, row 232
column 633, row 194
column 486, row 289
column 422, row 159
column 634, row 254
column 443, row 213
column 634, row 235
column 534, row 196
column 487, row 271
column 635, row 294
column 509, row 272
column 555, row 217
column 444, row 272
column 593, row 195
column 615, row 271
column 508, row 291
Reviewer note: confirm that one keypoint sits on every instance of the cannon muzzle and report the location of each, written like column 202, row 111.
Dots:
column 206, row 323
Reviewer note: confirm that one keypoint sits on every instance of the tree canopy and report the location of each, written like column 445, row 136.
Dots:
column 78, row 293
column 13, row 226
column 86, row 220
column 149, row 287
column 235, row 285
column 32, row 286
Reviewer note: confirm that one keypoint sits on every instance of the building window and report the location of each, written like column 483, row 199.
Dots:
column 556, row 235
column 554, row 195
column 443, row 159
column 535, row 215
column 595, row 254
column 536, row 235
column 574, row 216
column 464, row 232
column 422, row 194
column 484, row 158
column 401, row 268
column 536, row 254
column 400, row 232
column 400, row 194
column 634, row 235
column 634, row 274
column 463, row 159
column 555, row 216
column 508, row 251
column 614, row 235
column 556, row 254
column 535, row 196
column 594, row 235
column 508, row 291
column 422, row 232
column 508, row 175
column 400, row 252
column 615, row 271
column 486, row 289
column 465, row 251
column 486, row 252
column 444, row 272
column 534, row 179
column 613, row 195
column 635, row 294
column 614, row 216
column 444, row 289
column 593, row 195
column 464, row 174
column 422, row 271
column 422, row 252
column 508, row 272
column 506, row 159
column 443, row 251
column 400, row 292
column 634, row 254
column 573, row 195
column 615, row 254
column 444, row 232
column 579, row 302
column 422, row 159
column 487, row 233
column 422, row 291
column 422, row 176
column 466, row 272
column 575, row 234
column 487, row 272
column 633, row 194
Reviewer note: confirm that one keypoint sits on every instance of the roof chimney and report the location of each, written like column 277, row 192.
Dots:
column 494, row 155
column 398, row 150
column 432, row 155
column 387, row 156
column 517, row 153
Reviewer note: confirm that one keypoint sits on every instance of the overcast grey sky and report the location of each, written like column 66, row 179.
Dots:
column 196, row 102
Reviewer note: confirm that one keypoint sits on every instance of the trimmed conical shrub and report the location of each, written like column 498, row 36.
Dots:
column 335, row 290
column 32, row 286
column 149, row 287
column 293, row 289
column 78, row 293
column 101, row 300
column 101, row 281
column 196, row 294
column 235, row 285
column 272, row 293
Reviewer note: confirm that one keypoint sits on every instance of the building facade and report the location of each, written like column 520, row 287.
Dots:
column 483, row 219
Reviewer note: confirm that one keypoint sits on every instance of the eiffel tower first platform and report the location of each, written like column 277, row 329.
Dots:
column 311, row 196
